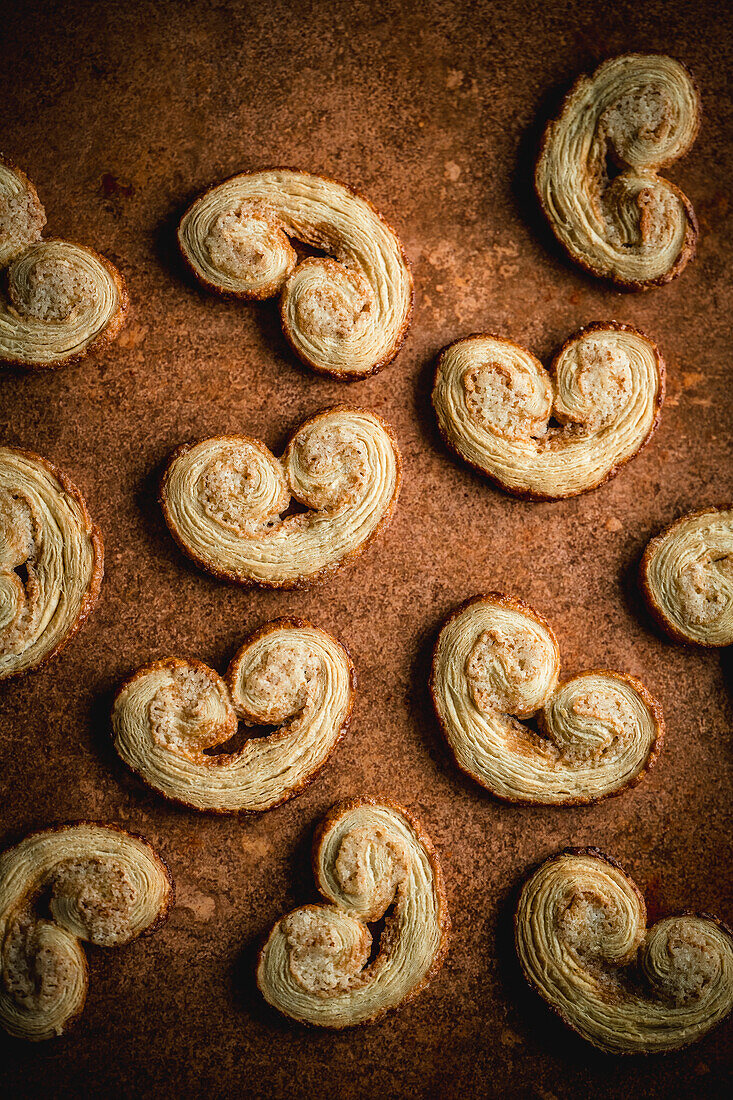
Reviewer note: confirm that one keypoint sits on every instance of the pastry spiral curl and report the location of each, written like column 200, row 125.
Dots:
column 583, row 943
column 168, row 716
column 51, row 561
column 345, row 314
column 497, row 661
column 494, row 403
column 625, row 223
column 686, row 576
column 222, row 499
column 58, row 300
column 74, row 882
column 371, row 859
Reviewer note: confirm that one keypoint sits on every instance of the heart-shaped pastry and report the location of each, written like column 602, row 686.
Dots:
column 496, row 663
column 686, row 576
column 58, row 300
column 51, row 561
column 597, row 174
column 584, row 945
column 345, row 314
column 169, row 715
column 371, row 860
column 70, row 883
column 223, row 499
column 548, row 435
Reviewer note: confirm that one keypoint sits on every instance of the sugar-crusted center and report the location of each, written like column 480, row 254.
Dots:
column 704, row 588
column 638, row 122
column 241, row 242
column 506, row 671
column 96, row 894
column 183, row 712
column 509, row 399
column 242, row 490
column 594, row 384
column 54, row 290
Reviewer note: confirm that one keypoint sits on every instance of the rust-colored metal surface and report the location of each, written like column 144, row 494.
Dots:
column 120, row 114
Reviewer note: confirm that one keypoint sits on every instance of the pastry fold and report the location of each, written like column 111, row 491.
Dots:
column 345, row 313
column 583, row 943
column 597, row 176
column 371, row 860
column 223, row 499
column 96, row 883
column 496, row 663
column 169, row 715
column 51, row 561
column 58, row 300
column 547, row 435
column 686, row 576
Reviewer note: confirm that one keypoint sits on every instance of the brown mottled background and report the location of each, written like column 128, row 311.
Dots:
column 121, row 113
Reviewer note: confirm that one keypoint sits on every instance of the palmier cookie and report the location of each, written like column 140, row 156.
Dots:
column 51, row 561
column 686, row 576
column 169, row 716
column 584, row 945
column 58, row 300
column 597, row 175
column 496, row 664
column 73, row 882
column 546, row 435
column 345, row 313
column 371, row 860
column 223, row 499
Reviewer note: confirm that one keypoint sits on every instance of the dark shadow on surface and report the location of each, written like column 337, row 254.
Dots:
column 420, row 703
column 242, row 985
column 238, row 740
column 635, row 602
column 423, row 402
column 425, row 414
column 161, row 543
column 522, row 181
column 100, row 733
column 531, row 1017
column 243, row 991
column 265, row 313
column 165, row 245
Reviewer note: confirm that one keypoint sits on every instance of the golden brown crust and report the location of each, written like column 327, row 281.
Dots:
column 593, row 326
column 7, row 162
column 514, row 603
column 61, row 826
column 332, row 817
column 140, row 674
column 278, row 624
column 386, row 359
column 656, row 611
column 269, row 290
column 92, row 593
column 229, row 678
column 689, row 247
column 687, row 254
column 107, row 336
column 304, row 581
column 27, row 342
column 331, row 820
column 23, row 881
column 656, row 709
column 598, row 854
